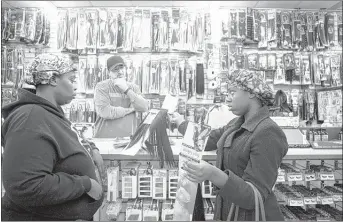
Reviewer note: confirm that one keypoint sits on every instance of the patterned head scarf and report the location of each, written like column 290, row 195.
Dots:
column 254, row 83
column 47, row 65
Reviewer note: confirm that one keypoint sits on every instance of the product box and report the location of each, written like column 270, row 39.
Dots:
column 173, row 178
column 167, row 210
column 209, row 209
column 207, row 189
column 159, row 190
column 150, row 210
column 112, row 184
column 130, row 180
column 145, row 181
column 134, row 210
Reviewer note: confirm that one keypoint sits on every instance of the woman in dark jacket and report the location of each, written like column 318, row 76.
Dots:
column 250, row 148
column 46, row 172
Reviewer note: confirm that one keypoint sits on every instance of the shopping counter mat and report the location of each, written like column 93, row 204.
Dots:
column 327, row 145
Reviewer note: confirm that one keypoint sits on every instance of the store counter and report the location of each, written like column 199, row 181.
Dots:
column 109, row 150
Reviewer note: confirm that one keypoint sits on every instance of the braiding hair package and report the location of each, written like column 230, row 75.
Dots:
column 152, row 136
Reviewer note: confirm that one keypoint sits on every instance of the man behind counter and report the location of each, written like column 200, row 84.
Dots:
column 116, row 102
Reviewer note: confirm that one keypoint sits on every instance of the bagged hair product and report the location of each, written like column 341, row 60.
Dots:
column 249, row 24
column 103, row 29
column 225, row 23
column 310, row 30
column 175, row 29
column 306, row 70
column 72, row 30
column 253, row 61
column 137, row 71
column 200, row 79
column 296, row 79
column 182, row 77
column 163, row 37
column 286, row 30
column 174, row 87
column 199, row 32
column 340, row 29
column 4, row 23
column 137, row 29
column 330, row 29
column 263, row 43
column 47, row 30
column 112, row 30
column 81, row 29
column 327, row 71
column 183, row 30
column 208, row 28
column 39, row 26
column 121, row 29
column 296, row 30
column 272, row 29
column 155, row 31
column 191, row 29
column 303, row 31
column 233, row 16
column 128, row 30
column 271, row 61
column 92, row 29
column 154, row 77
column 164, row 76
column 321, row 30
column 146, row 76
column 224, row 58
column 335, row 70
column 30, row 25
column 62, row 29
column 242, row 23
column 263, row 59
column 257, row 25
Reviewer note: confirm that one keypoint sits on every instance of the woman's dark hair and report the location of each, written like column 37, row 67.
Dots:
column 281, row 101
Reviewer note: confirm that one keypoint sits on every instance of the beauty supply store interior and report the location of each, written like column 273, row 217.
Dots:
column 183, row 52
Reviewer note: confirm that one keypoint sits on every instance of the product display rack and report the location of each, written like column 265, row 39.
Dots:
column 299, row 158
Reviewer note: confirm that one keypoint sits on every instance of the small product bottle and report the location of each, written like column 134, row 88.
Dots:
column 325, row 135
column 310, row 135
column 317, row 135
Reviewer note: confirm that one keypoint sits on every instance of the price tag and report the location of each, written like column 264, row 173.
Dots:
column 296, row 203
column 310, row 177
column 337, row 198
column 281, row 178
column 295, row 177
column 20, row 67
column 327, row 177
column 310, row 200
column 327, row 200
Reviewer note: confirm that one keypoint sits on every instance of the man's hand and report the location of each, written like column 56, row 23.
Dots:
column 121, row 84
column 95, row 191
column 99, row 162
column 177, row 119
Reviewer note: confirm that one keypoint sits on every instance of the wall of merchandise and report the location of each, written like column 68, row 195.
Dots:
column 172, row 50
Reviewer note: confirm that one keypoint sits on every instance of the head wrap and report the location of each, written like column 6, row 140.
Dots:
column 46, row 65
column 254, row 83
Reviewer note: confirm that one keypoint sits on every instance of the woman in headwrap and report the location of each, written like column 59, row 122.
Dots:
column 249, row 149
column 47, row 173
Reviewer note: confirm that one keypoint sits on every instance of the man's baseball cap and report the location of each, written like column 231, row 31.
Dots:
column 114, row 61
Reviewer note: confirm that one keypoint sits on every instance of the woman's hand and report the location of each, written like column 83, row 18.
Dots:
column 99, row 162
column 95, row 191
column 199, row 172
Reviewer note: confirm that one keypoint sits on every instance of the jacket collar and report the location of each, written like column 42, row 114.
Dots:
column 255, row 120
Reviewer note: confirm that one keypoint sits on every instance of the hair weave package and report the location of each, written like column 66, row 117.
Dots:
column 72, row 30
column 152, row 135
column 200, row 79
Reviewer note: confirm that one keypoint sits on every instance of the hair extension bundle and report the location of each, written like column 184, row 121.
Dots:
column 158, row 144
column 200, row 79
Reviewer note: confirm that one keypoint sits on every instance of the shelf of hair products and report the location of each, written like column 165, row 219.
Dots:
column 179, row 52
